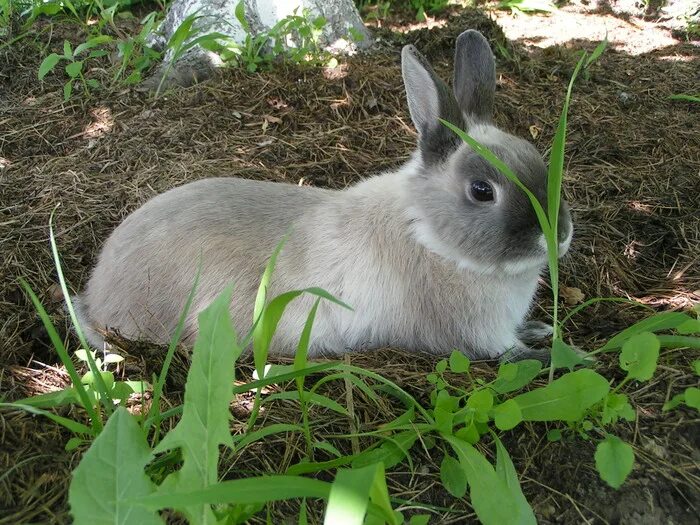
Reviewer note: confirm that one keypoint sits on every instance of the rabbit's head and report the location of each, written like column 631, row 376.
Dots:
column 461, row 207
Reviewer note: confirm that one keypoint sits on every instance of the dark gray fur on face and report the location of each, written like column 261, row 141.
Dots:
column 487, row 233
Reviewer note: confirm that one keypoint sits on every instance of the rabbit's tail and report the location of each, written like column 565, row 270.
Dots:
column 93, row 337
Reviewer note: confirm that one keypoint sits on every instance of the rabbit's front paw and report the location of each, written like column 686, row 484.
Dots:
column 532, row 332
column 521, row 351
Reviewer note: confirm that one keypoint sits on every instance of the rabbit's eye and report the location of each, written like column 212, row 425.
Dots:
column 482, row 191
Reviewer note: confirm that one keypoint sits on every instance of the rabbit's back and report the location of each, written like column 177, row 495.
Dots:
column 147, row 267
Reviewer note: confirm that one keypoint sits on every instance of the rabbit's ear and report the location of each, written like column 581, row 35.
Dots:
column 429, row 99
column 475, row 75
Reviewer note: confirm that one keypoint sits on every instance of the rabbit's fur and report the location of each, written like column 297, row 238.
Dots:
column 424, row 265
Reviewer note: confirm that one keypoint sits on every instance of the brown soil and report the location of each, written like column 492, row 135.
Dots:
column 633, row 179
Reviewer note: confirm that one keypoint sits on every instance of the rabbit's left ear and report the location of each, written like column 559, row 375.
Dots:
column 474, row 75
column 429, row 99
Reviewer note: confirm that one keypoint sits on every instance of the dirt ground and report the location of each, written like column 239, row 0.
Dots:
column 633, row 181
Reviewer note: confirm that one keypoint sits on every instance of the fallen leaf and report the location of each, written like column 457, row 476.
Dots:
column 55, row 293
column 272, row 120
column 571, row 296
column 534, row 131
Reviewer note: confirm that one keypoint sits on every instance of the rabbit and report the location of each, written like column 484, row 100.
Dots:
column 444, row 253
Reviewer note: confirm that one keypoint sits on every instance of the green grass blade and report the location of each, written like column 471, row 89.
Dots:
column 397, row 390
column 686, row 98
column 95, row 420
column 254, row 385
column 262, row 489
column 501, row 166
column 67, row 396
column 154, row 412
column 71, row 425
column 599, row 49
column 595, row 300
column 102, row 390
column 506, row 471
column 679, row 341
column 309, row 397
column 655, row 323
column 277, row 428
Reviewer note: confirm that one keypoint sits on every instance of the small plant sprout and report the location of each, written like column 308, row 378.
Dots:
column 75, row 63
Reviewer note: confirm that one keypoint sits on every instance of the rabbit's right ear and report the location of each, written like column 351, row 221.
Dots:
column 429, row 99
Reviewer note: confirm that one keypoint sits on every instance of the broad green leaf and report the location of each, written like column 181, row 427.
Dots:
column 419, row 519
column 240, row 16
column 73, row 443
column 81, row 354
column 250, row 490
column 67, row 90
column 445, row 406
column 639, row 356
column 93, row 42
column 564, row 399
column 351, row 494
column 459, row 363
column 514, row 376
column 696, row 367
column 113, row 358
column 481, row 400
column 182, row 33
column 614, row 460
column 67, row 50
column 506, row 472
column 617, row 406
column 48, row 64
column 691, row 326
column 554, row 435
column 205, row 419
column 674, row 402
column 489, row 494
column 469, row 433
column 507, row 415
column 655, row 323
column 453, row 476
column 111, row 473
column 441, row 366
column 692, row 397
column 74, row 68
column 564, row 356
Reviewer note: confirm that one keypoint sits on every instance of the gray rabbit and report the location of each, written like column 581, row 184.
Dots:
column 443, row 253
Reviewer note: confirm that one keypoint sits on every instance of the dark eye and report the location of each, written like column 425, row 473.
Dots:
column 482, row 191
